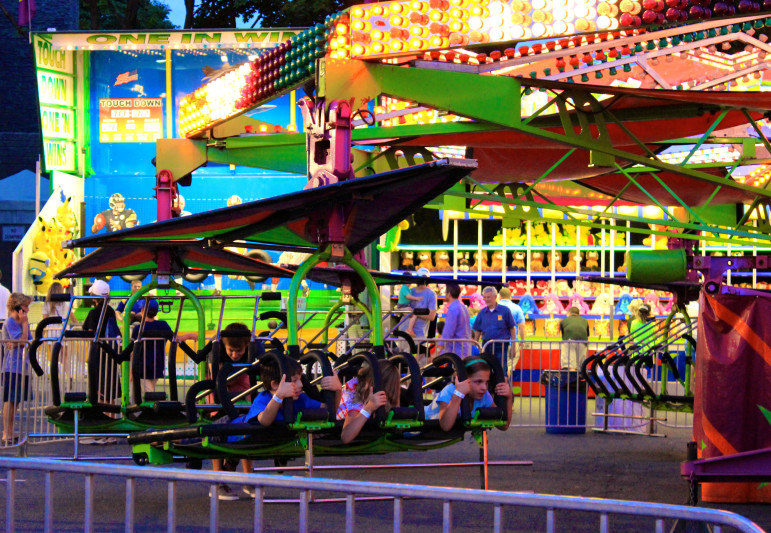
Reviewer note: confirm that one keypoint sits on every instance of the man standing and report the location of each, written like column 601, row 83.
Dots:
column 4, row 294
column 427, row 301
column 136, row 309
column 504, row 296
column 573, row 328
column 495, row 323
column 457, row 324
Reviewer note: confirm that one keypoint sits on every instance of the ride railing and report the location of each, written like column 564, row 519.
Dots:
column 27, row 394
column 538, row 369
column 448, row 506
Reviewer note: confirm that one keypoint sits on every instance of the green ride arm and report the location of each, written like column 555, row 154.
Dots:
column 327, row 320
column 294, row 288
column 125, row 366
column 201, row 322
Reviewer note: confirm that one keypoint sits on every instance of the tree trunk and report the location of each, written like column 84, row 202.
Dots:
column 132, row 11
column 94, row 14
column 189, row 9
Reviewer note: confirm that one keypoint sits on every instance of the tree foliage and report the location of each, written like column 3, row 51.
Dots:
column 271, row 13
column 124, row 15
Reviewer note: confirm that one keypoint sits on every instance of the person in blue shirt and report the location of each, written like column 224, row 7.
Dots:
column 136, row 309
column 504, row 299
column 476, row 384
column 495, row 323
column 457, row 324
column 266, row 407
column 15, row 365
column 426, row 299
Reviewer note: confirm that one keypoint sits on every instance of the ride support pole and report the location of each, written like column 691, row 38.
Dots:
column 309, row 462
column 486, row 485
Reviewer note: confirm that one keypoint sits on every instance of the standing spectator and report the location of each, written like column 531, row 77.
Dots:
column 60, row 309
column 495, row 323
column 504, row 298
column 152, row 361
column 647, row 332
column 136, row 309
column 102, row 367
column 457, row 324
column 427, row 300
column 405, row 296
column 15, row 365
column 4, row 295
column 573, row 327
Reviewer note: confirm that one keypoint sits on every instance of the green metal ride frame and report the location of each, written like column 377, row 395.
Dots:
column 126, row 365
column 369, row 283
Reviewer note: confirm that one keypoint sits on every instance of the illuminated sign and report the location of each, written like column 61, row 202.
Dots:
column 49, row 58
column 130, row 119
column 60, row 155
column 415, row 25
column 58, row 122
column 255, row 38
column 56, row 89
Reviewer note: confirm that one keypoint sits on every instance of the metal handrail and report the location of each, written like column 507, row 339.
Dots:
column 655, row 511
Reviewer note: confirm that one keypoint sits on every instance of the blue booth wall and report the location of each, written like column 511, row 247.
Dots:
column 127, row 168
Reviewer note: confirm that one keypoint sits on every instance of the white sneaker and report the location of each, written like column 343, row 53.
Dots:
column 224, row 493
column 249, row 491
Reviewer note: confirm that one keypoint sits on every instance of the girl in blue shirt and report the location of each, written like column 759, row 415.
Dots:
column 476, row 384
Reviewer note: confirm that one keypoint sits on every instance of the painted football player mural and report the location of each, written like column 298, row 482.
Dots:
column 116, row 218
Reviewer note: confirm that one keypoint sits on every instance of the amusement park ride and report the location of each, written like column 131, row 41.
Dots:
column 556, row 103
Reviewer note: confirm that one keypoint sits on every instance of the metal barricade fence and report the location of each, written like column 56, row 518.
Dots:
column 151, row 362
column 530, row 360
column 35, row 395
column 557, row 513
column 527, row 361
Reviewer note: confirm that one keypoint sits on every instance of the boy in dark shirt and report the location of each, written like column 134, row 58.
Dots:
column 151, row 366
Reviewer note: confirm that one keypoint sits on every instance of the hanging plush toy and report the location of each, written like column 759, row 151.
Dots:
column 592, row 260
column 527, row 303
column 555, row 261
column 622, row 307
column 539, row 236
column 577, row 300
column 518, row 261
column 498, row 264
column 603, row 304
column 463, row 263
column 652, row 299
column 480, row 260
column 536, row 261
column 424, row 260
column 574, row 261
column 408, row 260
column 393, row 237
column 442, row 261
column 551, row 305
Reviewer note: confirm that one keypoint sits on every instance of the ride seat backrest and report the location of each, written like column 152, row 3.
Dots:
column 496, row 376
column 404, row 413
column 308, row 361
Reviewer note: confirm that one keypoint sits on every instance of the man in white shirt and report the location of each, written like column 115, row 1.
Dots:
column 4, row 294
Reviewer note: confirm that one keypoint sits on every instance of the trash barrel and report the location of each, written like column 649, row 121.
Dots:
column 565, row 401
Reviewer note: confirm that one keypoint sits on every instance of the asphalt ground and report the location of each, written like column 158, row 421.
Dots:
column 597, row 465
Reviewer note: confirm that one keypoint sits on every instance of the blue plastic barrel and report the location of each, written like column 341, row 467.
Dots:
column 565, row 401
